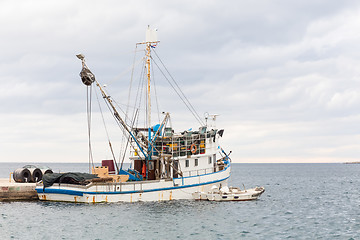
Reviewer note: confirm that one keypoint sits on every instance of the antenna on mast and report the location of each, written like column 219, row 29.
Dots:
column 213, row 118
column 151, row 35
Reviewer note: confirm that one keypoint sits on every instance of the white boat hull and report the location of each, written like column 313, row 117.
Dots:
column 245, row 195
column 157, row 190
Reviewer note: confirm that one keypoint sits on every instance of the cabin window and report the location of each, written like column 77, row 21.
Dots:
column 175, row 168
column 196, row 162
column 187, row 163
column 210, row 160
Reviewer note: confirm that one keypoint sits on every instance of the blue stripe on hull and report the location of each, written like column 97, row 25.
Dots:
column 60, row 191
column 80, row 193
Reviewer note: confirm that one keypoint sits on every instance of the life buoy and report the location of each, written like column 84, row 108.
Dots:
column 193, row 148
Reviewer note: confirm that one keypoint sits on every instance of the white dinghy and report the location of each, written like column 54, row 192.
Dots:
column 229, row 194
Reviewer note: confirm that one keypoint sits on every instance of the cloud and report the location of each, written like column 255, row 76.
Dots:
column 283, row 75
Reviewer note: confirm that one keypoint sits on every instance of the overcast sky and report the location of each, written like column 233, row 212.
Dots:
column 283, row 75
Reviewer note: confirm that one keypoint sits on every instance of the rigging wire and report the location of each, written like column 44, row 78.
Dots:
column 141, row 92
column 131, row 68
column 156, row 97
column 137, row 103
column 107, row 133
column 88, row 111
column 126, row 116
column 113, row 115
column 187, row 103
column 191, row 106
column 122, row 128
column 127, row 111
column 131, row 80
column 127, row 142
column 187, row 100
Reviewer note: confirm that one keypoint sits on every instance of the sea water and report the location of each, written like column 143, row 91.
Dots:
column 301, row 201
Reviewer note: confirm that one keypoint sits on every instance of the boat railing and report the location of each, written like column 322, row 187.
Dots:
column 187, row 144
column 198, row 172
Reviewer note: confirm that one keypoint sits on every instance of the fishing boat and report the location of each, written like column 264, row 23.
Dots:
column 165, row 164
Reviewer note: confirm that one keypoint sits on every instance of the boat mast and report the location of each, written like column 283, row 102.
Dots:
column 148, row 55
column 148, row 52
column 151, row 41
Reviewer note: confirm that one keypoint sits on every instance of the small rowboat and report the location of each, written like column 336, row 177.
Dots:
column 229, row 194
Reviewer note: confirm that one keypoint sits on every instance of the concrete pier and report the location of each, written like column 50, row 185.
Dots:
column 13, row 191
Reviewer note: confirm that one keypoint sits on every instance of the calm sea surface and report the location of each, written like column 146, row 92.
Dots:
column 302, row 201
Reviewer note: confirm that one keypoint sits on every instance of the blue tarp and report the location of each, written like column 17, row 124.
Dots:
column 133, row 175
